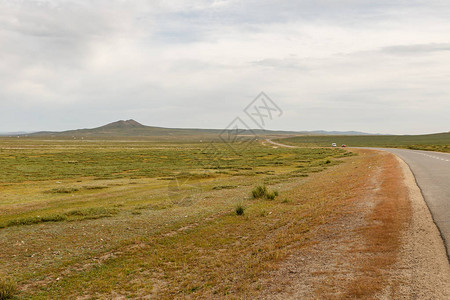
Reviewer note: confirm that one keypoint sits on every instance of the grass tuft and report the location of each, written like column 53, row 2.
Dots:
column 259, row 192
column 240, row 210
column 263, row 192
column 8, row 289
column 271, row 195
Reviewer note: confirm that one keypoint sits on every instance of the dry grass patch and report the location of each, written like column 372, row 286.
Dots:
column 358, row 237
column 385, row 225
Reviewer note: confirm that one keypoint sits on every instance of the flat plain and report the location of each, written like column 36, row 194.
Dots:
column 96, row 218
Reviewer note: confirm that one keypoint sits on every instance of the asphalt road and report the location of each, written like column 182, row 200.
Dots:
column 432, row 172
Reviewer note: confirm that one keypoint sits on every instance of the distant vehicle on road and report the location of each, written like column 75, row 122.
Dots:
column 344, row 145
column 333, row 145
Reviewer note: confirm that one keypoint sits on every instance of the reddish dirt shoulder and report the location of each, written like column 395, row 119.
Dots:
column 383, row 245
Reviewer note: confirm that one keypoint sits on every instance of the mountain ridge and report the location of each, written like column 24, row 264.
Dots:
column 132, row 128
column 123, row 124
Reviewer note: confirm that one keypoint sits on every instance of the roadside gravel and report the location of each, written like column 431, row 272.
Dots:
column 423, row 268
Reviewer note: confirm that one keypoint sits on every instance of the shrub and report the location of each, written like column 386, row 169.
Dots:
column 270, row 195
column 240, row 210
column 262, row 192
column 328, row 161
column 7, row 288
column 259, row 192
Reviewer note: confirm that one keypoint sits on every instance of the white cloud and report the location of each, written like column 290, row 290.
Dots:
column 336, row 65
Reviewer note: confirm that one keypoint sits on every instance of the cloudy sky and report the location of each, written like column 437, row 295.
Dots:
column 374, row 66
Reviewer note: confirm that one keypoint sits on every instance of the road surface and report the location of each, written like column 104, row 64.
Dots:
column 432, row 172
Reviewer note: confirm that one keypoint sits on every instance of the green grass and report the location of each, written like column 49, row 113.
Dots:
column 431, row 142
column 8, row 289
column 27, row 160
column 36, row 220
column 91, row 213
column 71, row 215
column 108, row 216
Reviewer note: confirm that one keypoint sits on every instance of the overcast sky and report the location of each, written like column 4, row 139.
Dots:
column 373, row 66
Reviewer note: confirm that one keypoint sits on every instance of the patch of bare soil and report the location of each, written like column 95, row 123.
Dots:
column 383, row 245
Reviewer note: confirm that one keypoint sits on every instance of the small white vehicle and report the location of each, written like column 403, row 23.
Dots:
column 333, row 145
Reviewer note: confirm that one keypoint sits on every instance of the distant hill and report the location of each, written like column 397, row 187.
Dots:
column 132, row 128
column 122, row 124
column 128, row 128
column 323, row 132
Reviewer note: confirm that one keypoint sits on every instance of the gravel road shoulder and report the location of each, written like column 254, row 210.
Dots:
column 423, row 267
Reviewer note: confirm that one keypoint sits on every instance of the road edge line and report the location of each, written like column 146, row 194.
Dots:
column 430, row 214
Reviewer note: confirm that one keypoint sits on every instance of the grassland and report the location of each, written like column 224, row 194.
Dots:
column 101, row 219
column 431, row 142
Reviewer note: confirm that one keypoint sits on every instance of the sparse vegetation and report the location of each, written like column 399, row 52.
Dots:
column 103, row 204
